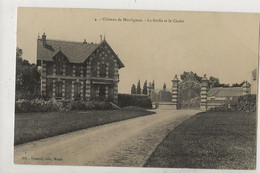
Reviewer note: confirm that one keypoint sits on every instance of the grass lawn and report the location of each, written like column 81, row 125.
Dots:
column 35, row 126
column 209, row 140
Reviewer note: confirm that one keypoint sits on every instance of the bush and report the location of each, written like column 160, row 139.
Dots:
column 246, row 103
column 36, row 105
column 40, row 105
column 133, row 108
column 134, row 100
column 222, row 108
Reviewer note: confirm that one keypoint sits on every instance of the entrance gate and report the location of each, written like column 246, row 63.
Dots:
column 189, row 93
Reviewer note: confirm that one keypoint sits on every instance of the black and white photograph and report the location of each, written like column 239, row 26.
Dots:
column 136, row 89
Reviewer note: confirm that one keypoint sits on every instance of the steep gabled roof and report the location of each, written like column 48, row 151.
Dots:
column 225, row 92
column 76, row 52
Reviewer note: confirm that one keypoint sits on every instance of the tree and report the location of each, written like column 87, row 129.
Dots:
column 145, row 88
column 239, row 85
column 153, row 85
column 138, row 90
column 164, row 86
column 27, row 78
column 133, row 89
column 213, row 81
column 184, row 74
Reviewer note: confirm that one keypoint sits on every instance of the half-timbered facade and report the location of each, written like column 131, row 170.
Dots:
column 78, row 70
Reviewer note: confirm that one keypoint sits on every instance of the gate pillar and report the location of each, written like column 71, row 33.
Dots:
column 203, row 94
column 175, row 84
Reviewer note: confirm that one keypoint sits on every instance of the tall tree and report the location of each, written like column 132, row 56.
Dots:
column 153, row 85
column 27, row 78
column 133, row 89
column 138, row 89
column 164, row 86
column 145, row 88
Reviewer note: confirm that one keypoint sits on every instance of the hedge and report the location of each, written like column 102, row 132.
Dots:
column 40, row 105
column 246, row 103
column 143, row 101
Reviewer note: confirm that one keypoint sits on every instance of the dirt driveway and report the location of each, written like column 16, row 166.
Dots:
column 126, row 143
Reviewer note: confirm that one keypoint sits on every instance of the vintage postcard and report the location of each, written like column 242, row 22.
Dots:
column 135, row 88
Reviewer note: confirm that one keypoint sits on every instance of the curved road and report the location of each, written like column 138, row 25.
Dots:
column 125, row 143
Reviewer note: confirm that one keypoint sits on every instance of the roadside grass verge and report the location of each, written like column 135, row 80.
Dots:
column 35, row 126
column 220, row 140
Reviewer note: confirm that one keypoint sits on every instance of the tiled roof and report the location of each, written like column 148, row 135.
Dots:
column 225, row 92
column 76, row 52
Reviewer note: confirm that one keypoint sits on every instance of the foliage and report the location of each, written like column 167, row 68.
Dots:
column 88, row 105
column 134, row 100
column 246, row 103
column 184, row 74
column 27, row 78
column 164, row 86
column 222, row 108
column 153, row 85
column 238, row 85
column 213, row 81
column 138, row 90
column 40, row 105
column 145, row 88
column 36, row 105
column 133, row 108
column 133, row 89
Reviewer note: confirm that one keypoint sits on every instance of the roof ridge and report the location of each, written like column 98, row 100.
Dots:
column 70, row 41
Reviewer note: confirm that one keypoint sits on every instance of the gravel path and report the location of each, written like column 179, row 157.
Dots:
column 126, row 143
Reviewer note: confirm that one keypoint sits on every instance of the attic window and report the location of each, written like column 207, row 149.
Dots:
column 77, row 70
column 103, row 70
column 59, row 68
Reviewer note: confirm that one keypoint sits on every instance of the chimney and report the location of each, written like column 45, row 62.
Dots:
column 84, row 41
column 44, row 39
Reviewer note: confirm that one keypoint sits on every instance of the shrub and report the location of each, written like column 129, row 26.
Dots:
column 133, row 108
column 134, row 100
column 40, row 105
column 246, row 103
column 222, row 108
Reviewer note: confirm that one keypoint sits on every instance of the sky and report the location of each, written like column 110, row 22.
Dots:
column 223, row 45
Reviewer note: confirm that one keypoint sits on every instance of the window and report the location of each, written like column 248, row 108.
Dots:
column 49, row 87
column 77, row 70
column 58, row 89
column 49, row 68
column 59, row 67
column 77, row 88
column 103, row 70
column 68, row 70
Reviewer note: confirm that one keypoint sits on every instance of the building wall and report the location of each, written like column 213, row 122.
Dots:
column 72, row 81
column 102, row 56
